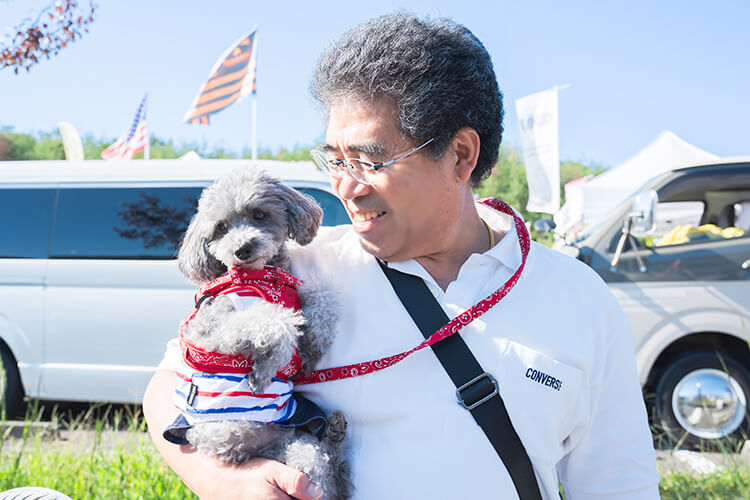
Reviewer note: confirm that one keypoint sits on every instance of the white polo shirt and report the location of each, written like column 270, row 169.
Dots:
column 558, row 344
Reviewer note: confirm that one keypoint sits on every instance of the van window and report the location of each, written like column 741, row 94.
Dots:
column 25, row 216
column 698, row 222
column 334, row 213
column 741, row 210
column 673, row 218
column 121, row 223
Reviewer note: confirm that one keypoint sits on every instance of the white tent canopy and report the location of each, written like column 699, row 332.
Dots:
column 607, row 190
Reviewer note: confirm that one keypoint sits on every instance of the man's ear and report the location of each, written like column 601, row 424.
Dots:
column 465, row 144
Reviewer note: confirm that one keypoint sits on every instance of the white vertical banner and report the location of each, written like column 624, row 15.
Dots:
column 538, row 122
column 72, row 145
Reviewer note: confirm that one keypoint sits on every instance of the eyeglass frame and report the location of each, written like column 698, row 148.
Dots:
column 317, row 155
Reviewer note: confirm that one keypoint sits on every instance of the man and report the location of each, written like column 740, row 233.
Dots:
column 414, row 121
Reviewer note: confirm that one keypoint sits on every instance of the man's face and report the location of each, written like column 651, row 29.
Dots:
column 412, row 206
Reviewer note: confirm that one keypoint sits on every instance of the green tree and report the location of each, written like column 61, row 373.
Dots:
column 508, row 182
column 48, row 146
column 572, row 170
column 161, row 149
column 93, row 147
column 16, row 146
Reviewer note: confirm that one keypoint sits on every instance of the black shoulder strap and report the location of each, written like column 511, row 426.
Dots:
column 476, row 389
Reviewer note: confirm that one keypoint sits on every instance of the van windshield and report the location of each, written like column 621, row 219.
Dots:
column 607, row 216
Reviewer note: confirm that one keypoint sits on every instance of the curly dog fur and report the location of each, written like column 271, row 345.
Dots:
column 245, row 220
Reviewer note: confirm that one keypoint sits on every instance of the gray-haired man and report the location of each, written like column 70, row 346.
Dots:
column 414, row 118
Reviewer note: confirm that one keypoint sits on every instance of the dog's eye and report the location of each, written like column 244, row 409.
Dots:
column 258, row 215
column 222, row 227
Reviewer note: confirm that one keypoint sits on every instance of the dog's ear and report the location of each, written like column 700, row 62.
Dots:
column 303, row 214
column 194, row 259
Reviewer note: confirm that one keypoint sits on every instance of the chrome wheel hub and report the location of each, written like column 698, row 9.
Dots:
column 709, row 403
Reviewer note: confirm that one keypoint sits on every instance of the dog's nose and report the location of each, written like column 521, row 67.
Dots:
column 245, row 251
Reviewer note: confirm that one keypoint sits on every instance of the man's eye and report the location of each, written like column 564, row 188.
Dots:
column 258, row 215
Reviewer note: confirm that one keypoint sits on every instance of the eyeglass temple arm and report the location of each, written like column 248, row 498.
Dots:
column 391, row 162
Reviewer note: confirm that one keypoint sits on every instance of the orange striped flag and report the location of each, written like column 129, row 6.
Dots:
column 231, row 79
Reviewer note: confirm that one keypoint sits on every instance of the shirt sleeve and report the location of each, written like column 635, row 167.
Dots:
column 172, row 356
column 612, row 456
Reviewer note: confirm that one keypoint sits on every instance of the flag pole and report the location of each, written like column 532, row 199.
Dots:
column 254, row 69
column 254, row 136
column 147, row 149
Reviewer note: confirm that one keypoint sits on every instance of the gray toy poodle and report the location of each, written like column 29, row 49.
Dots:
column 253, row 327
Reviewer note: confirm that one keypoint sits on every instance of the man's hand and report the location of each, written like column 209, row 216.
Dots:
column 209, row 478
column 262, row 479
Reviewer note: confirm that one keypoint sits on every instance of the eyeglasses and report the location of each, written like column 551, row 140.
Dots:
column 362, row 171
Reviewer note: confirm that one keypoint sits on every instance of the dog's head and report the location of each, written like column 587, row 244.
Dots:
column 244, row 220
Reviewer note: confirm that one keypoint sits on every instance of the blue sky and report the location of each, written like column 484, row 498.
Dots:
column 634, row 68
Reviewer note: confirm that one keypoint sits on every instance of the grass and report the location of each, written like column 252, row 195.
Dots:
column 91, row 465
column 729, row 484
column 130, row 467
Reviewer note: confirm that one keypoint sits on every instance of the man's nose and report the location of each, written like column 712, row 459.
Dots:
column 349, row 188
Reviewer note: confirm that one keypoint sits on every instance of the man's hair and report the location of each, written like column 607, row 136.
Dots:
column 435, row 71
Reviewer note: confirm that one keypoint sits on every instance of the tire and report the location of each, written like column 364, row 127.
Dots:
column 11, row 391
column 32, row 492
column 701, row 401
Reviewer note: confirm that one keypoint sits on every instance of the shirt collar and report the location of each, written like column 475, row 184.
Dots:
column 507, row 251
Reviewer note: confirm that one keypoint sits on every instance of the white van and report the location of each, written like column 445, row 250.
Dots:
column 89, row 287
column 677, row 257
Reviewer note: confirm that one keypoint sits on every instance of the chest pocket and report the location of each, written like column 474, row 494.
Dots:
column 545, row 398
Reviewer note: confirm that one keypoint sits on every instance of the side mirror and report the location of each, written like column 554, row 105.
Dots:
column 639, row 222
column 643, row 213
column 544, row 225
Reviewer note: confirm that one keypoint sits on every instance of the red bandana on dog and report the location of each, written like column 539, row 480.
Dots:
column 271, row 284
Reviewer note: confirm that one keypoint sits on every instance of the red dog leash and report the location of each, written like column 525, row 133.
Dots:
column 450, row 328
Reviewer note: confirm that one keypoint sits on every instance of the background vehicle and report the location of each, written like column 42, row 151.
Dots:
column 89, row 287
column 687, row 293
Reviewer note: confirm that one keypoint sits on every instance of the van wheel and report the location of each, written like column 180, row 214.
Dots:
column 701, row 400
column 11, row 392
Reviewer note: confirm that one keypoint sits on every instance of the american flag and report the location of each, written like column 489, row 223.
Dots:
column 231, row 79
column 136, row 139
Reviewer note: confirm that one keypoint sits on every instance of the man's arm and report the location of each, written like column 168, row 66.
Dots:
column 209, row 478
column 613, row 456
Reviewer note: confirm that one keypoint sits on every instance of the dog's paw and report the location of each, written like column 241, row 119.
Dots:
column 336, row 430
column 258, row 380
column 263, row 330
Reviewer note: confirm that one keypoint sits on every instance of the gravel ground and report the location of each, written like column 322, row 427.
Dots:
column 693, row 462
column 667, row 461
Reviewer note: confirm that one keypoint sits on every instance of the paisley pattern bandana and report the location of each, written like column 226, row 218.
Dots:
column 272, row 284
column 450, row 328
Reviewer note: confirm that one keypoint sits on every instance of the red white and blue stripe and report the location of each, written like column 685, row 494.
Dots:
column 133, row 141
column 207, row 397
column 212, row 386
